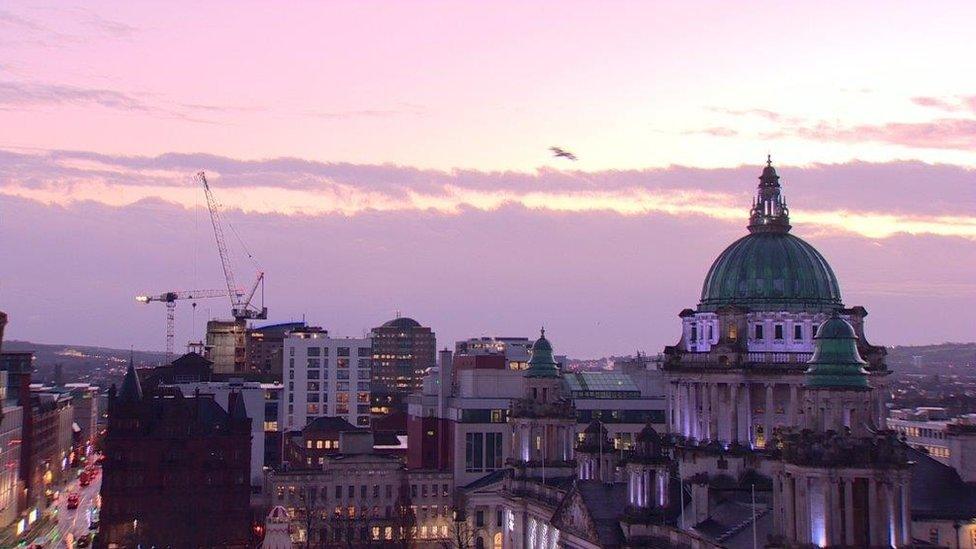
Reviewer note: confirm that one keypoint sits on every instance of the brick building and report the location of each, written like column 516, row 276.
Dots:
column 176, row 472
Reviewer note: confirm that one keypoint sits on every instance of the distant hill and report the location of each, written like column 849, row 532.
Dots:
column 941, row 358
column 81, row 362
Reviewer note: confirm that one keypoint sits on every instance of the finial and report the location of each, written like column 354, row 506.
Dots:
column 543, row 331
column 769, row 159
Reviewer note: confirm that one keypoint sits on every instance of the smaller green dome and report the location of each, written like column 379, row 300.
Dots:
column 836, row 362
column 542, row 363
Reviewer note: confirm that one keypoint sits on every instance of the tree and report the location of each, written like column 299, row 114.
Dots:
column 404, row 520
column 463, row 534
column 308, row 513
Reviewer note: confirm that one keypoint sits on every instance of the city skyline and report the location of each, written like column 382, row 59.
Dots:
column 424, row 172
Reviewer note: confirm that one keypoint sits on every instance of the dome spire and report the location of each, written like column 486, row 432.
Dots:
column 769, row 211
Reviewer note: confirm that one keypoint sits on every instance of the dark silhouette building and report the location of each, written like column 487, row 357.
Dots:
column 177, row 470
column 402, row 352
column 264, row 347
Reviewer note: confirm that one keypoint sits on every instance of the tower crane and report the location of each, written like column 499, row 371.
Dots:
column 170, row 299
column 240, row 302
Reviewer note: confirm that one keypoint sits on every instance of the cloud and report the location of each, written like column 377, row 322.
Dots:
column 717, row 131
column 870, row 200
column 955, row 104
column 771, row 116
column 20, row 94
column 11, row 19
column 944, row 133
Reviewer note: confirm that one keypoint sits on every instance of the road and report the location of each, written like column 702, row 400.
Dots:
column 72, row 523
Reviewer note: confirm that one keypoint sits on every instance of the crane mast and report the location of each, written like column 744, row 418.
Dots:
column 240, row 302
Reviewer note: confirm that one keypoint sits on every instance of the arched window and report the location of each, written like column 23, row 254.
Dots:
column 497, row 544
column 479, row 543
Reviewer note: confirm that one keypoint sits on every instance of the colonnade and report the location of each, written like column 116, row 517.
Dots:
column 727, row 410
column 821, row 508
column 549, row 441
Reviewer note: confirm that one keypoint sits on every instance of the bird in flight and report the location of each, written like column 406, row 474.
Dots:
column 557, row 152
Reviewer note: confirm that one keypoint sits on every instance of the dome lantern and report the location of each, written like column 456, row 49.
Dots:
column 769, row 211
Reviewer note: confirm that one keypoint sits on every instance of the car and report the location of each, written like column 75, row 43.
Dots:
column 83, row 541
column 84, row 478
column 73, row 501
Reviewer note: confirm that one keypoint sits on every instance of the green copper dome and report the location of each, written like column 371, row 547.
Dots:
column 836, row 362
column 770, row 269
column 542, row 363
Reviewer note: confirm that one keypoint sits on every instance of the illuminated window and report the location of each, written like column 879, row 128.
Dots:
column 318, row 444
column 376, row 532
column 308, row 444
column 388, row 532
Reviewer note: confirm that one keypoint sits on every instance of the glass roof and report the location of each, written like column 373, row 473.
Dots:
column 600, row 381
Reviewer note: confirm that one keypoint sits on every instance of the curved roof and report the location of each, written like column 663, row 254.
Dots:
column 771, row 271
column 542, row 363
column 402, row 322
column 836, row 362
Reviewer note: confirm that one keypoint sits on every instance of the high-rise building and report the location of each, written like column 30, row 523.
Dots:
column 326, row 376
column 264, row 347
column 403, row 350
column 176, row 470
column 226, row 347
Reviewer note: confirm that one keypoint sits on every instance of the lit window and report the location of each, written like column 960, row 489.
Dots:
column 318, row 444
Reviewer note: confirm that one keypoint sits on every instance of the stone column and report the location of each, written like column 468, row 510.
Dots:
column 791, row 413
column 906, row 519
column 836, row 531
column 699, row 409
column 874, row 516
column 849, row 511
column 768, row 414
column 789, row 529
column 734, row 409
column 714, row 409
column 750, row 431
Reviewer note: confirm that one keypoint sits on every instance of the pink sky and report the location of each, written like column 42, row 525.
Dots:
column 423, row 127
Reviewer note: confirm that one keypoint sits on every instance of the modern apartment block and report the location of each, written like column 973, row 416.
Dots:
column 326, row 376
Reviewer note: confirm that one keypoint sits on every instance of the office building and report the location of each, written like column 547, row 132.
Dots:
column 403, row 350
column 264, row 347
column 326, row 376
column 359, row 497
